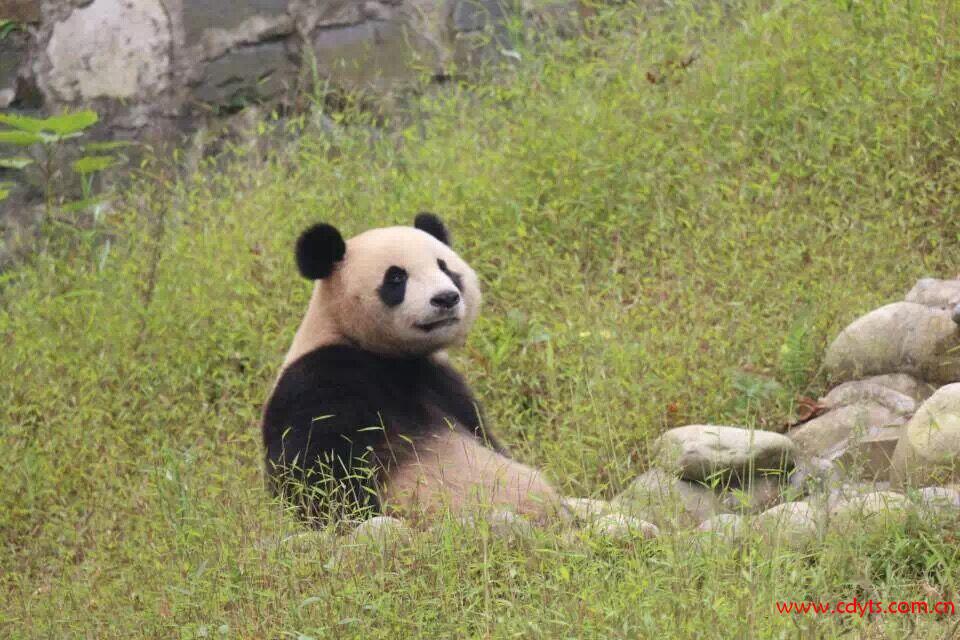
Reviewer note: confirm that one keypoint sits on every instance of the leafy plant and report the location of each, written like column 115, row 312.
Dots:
column 50, row 134
column 797, row 359
column 754, row 391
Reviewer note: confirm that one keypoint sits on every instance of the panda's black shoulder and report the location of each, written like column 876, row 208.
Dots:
column 356, row 387
column 337, row 367
column 336, row 380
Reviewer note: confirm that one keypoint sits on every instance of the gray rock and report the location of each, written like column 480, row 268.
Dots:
column 380, row 531
column 905, row 384
column 862, row 391
column 757, row 494
column 827, row 435
column 929, row 449
column 869, row 457
column 903, row 337
column 791, row 524
column 255, row 30
column 509, row 526
column 699, row 452
column 667, row 501
column 943, row 499
column 251, row 74
column 373, row 55
column 310, row 14
column 582, row 510
column 620, row 527
column 110, row 49
column 306, row 541
column 729, row 526
column 201, row 15
column 931, row 292
column 811, row 474
column 476, row 15
column 479, row 31
column 874, row 509
column 841, row 492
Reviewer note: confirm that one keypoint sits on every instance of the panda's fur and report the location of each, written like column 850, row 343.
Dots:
column 367, row 410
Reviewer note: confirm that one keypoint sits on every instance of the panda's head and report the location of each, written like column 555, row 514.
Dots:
column 396, row 291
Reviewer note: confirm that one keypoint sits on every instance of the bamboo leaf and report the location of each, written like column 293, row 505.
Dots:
column 15, row 163
column 92, row 164
column 23, row 123
column 80, row 205
column 72, row 122
column 20, row 138
column 109, row 146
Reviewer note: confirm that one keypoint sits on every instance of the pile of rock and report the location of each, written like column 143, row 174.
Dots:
column 895, row 417
column 887, row 440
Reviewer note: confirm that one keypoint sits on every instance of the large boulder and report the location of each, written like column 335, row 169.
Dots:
column 929, row 448
column 903, row 337
column 702, row 453
column 119, row 49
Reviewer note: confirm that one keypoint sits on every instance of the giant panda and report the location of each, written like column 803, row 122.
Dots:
column 367, row 416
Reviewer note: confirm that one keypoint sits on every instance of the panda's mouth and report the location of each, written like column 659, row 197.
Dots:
column 427, row 327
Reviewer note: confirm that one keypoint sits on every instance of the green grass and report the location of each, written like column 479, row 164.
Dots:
column 653, row 254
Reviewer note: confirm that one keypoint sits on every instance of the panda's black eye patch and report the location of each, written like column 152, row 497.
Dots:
column 394, row 287
column 453, row 275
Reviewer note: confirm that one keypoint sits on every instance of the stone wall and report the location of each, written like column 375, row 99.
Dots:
column 140, row 62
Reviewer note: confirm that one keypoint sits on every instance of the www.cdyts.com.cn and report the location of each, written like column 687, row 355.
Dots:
column 872, row 607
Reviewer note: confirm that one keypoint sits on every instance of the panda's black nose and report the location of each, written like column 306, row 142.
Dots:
column 446, row 300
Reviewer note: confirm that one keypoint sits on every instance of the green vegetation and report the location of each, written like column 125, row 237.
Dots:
column 50, row 135
column 671, row 216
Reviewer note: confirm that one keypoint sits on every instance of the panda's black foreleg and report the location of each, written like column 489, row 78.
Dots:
column 328, row 492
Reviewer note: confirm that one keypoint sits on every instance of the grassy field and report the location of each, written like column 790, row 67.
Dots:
column 671, row 216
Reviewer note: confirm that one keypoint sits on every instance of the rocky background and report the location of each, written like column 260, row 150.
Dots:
column 160, row 71
column 146, row 61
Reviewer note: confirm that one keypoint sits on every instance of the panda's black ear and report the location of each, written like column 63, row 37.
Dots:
column 426, row 221
column 319, row 248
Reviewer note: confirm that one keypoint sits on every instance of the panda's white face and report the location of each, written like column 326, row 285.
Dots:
column 400, row 291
